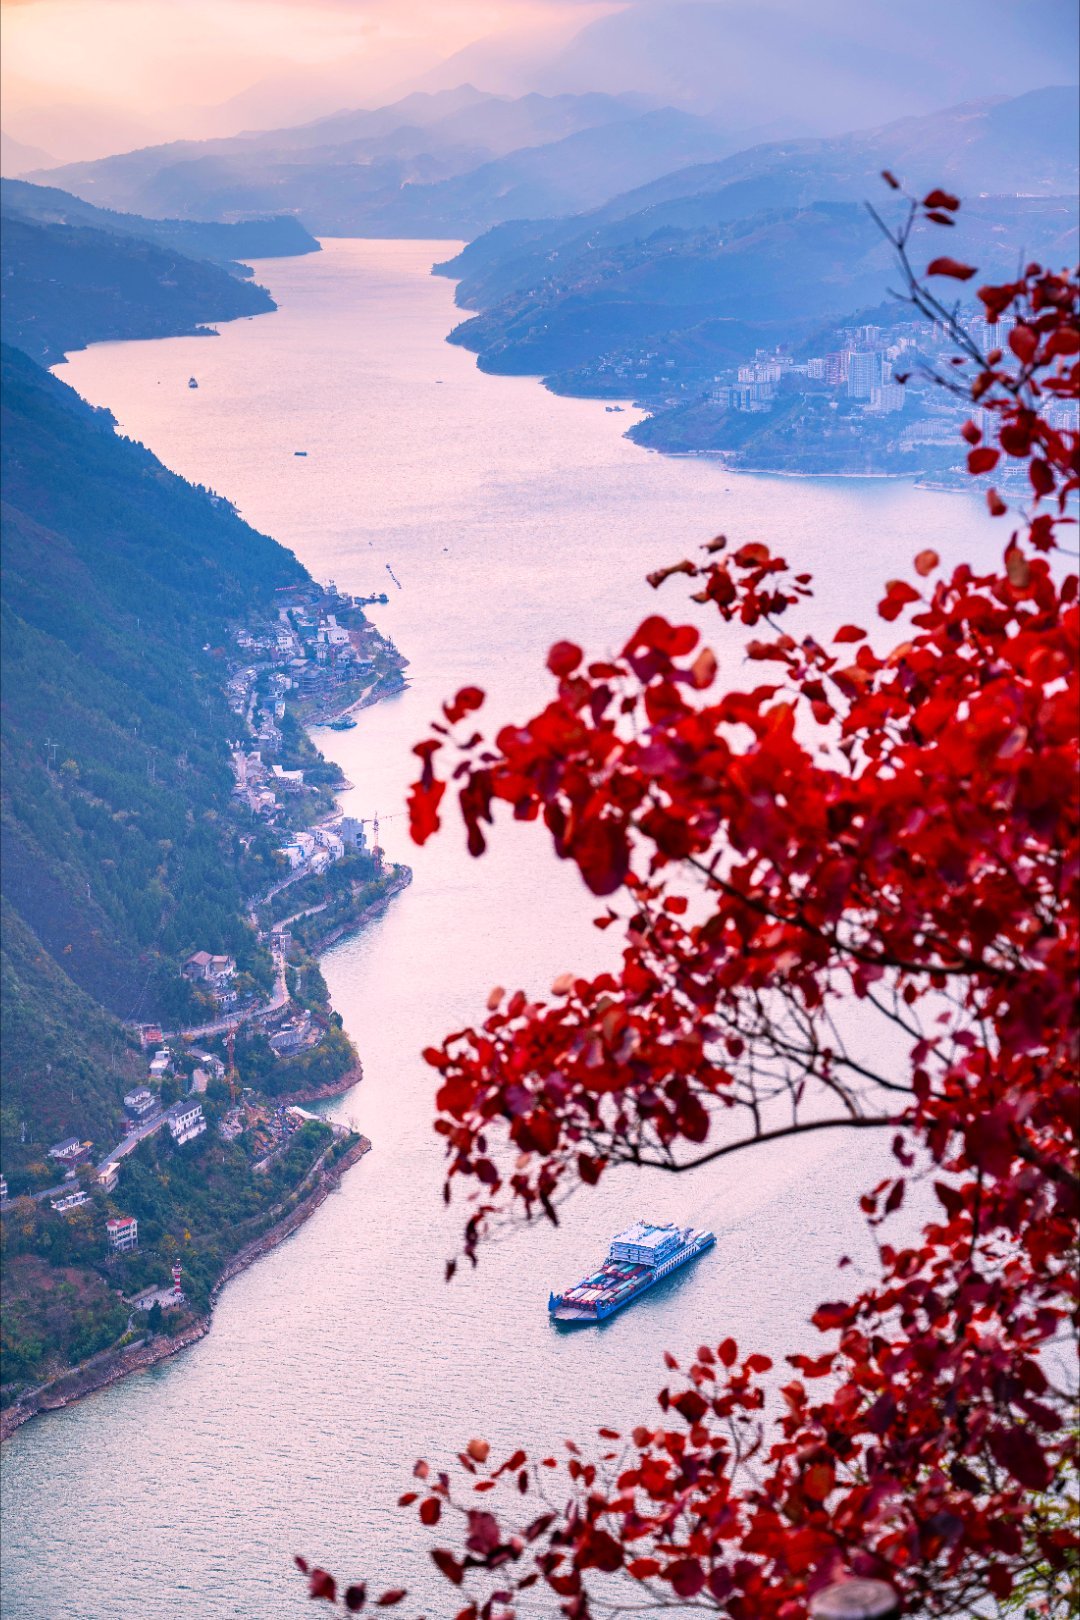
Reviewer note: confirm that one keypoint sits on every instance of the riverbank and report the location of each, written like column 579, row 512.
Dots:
column 352, row 925
column 333, row 1088
column 109, row 1366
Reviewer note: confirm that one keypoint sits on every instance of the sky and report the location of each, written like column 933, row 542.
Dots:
column 83, row 78
column 165, row 68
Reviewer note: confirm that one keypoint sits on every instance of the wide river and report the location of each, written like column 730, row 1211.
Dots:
column 511, row 519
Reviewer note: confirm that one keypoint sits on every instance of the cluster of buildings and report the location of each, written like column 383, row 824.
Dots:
column 862, row 368
column 316, row 847
column 319, row 645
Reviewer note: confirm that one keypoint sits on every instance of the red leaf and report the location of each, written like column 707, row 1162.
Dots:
column 322, row 1585
column 982, row 460
column 926, row 562
column 1042, row 479
column 691, row 1405
column 994, row 501
column 941, row 199
column 430, row 1510
column 483, row 1536
column 1018, row 1451
column 686, row 1576
column 564, row 658
column 388, row 1599
column 950, row 267
column 468, row 699
column 849, row 632
column 423, row 805
column 448, row 1565
column 1023, row 341
column 355, row 1597
column 728, row 1352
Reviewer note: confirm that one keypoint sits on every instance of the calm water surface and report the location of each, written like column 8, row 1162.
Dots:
column 511, row 519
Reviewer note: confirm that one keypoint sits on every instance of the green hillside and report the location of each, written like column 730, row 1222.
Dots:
column 63, row 286
column 120, row 846
column 280, row 236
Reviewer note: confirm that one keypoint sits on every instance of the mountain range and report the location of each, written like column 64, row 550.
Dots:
column 450, row 163
column 72, row 274
column 776, row 238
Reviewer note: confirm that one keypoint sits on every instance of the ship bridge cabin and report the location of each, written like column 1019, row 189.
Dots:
column 644, row 1244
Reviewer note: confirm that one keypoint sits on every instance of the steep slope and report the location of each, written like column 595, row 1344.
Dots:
column 64, row 286
column 278, row 237
column 783, row 271
column 1025, row 145
column 118, row 580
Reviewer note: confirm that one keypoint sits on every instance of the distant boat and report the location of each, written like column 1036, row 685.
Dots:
column 299, row 452
column 344, row 723
column 192, row 382
column 639, row 1257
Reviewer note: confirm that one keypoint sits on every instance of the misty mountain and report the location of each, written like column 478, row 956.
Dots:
column 572, row 174
column 1025, row 145
column 64, row 286
column 776, row 273
column 278, row 237
column 16, row 157
column 445, row 164
column 832, row 66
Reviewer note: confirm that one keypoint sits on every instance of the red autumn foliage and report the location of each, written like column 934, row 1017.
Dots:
column 897, row 827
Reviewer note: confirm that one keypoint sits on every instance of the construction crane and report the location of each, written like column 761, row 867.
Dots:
column 373, row 823
column 233, row 1075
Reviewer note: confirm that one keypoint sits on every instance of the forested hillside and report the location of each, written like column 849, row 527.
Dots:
column 119, row 852
column 280, row 236
column 64, row 286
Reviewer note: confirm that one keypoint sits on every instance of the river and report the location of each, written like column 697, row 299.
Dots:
column 511, row 518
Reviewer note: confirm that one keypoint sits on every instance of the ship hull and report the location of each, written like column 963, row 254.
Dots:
column 570, row 1316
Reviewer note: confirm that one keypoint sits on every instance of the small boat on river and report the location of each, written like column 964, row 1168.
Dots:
column 192, row 382
column 345, row 722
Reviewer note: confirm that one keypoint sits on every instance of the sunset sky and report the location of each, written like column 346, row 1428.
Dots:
column 162, row 64
column 82, row 78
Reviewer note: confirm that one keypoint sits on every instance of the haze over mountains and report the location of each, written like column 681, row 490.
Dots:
column 450, row 163
column 72, row 274
column 1021, row 147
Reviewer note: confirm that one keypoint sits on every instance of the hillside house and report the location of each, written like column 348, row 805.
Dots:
column 140, row 1103
column 185, row 1120
column 71, row 1200
column 123, row 1233
column 108, row 1176
column 70, row 1153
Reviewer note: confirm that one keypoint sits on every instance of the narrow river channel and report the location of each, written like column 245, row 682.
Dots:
column 511, row 518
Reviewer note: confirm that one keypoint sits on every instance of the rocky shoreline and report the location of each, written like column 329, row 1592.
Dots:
column 109, row 1366
column 333, row 1088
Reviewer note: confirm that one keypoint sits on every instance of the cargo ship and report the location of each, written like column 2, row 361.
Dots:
column 637, row 1258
